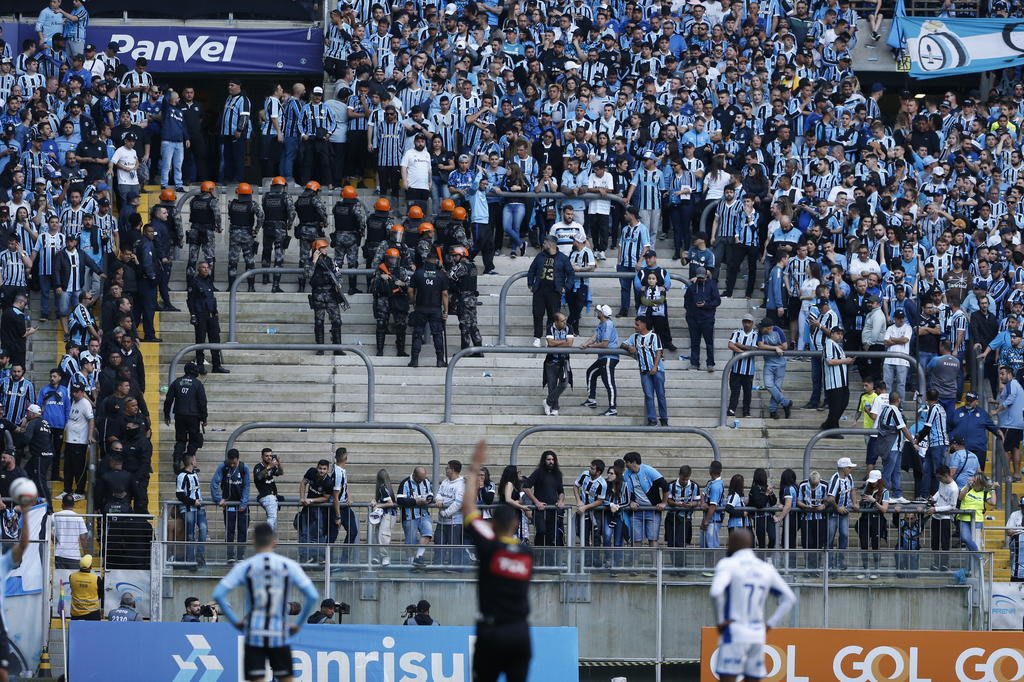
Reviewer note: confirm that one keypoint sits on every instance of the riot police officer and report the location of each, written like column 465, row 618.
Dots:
column 278, row 216
column 429, row 290
column 413, row 218
column 425, row 244
column 457, row 235
column 327, row 297
column 395, row 240
column 245, row 218
column 390, row 300
column 186, row 397
column 378, row 226
column 202, row 308
column 168, row 199
column 312, row 222
column 349, row 226
column 205, row 219
column 443, row 221
column 463, row 293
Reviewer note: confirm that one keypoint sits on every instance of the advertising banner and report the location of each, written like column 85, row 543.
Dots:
column 186, row 652
column 23, row 605
column 822, row 655
column 1007, row 606
column 204, row 49
column 946, row 46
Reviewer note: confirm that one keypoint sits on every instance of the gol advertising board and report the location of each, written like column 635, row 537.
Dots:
column 212, row 652
column 821, row 655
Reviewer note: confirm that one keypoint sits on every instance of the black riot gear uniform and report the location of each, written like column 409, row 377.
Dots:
column 326, row 298
column 186, row 397
column 349, row 224
column 312, row 219
column 463, row 299
column 205, row 220
column 278, row 218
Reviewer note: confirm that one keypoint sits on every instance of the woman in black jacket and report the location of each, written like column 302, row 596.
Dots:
column 762, row 496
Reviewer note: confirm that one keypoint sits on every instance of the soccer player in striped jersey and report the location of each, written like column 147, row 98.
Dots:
column 266, row 577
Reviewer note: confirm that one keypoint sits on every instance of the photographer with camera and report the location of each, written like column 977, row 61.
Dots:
column 329, row 607
column 264, row 475
column 196, row 611
column 419, row 614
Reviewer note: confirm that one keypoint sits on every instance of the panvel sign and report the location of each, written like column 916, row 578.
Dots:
column 212, row 652
column 204, row 49
column 797, row 655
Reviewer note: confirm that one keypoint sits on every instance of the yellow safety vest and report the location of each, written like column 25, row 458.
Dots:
column 973, row 500
column 85, row 593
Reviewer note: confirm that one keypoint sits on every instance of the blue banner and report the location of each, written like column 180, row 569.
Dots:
column 208, row 652
column 204, row 49
column 946, row 46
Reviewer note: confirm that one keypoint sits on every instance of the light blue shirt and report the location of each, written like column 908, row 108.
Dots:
column 50, row 23
column 606, row 332
column 640, row 483
column 1012, row 398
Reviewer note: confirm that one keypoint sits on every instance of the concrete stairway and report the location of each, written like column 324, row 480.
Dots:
column 496, row 397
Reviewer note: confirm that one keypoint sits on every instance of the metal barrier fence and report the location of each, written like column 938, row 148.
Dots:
column 435, row 449
column 830, row 433
column 727, row 370
column 371, row 377
column 522, row 435
column 515, row 277
column 233, row 291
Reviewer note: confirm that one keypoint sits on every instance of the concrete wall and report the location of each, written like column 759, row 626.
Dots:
column 616, row 617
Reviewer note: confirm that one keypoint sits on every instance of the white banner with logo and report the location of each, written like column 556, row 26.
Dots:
column 1007, row 606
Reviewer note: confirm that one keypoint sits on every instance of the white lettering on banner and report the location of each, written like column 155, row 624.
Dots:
column 774, row 665
column 869, row 666
column 412, row 665
column 169, row 50
column 989, row 669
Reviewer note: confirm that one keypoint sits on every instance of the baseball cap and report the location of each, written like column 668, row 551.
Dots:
column 971, row 396
column 605, row 310
column 747, row 318
column 958, row 439
column 77, row 387
column 700, row 272
column 939, row 170
column 90, row 48
column 845, row 462
column 874, row 476
column 648, row 155
column 899, row 313
column 451, row 8
column 34, row 409
column 318, row 90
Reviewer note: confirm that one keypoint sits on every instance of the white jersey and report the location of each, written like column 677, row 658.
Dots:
column 740, row 587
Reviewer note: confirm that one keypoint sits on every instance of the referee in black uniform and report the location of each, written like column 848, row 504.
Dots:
column 506, row 566
column 837, row 379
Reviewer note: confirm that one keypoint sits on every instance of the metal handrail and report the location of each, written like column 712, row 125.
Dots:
column 727, row 370
column 522, row 435
column 586, row 196
column 233, row 290
column 341, row 426
column 503, row 296
column 371, row 377
column 827, row 433
column 449, row 376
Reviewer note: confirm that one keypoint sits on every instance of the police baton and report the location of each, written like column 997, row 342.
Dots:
column 444, row 333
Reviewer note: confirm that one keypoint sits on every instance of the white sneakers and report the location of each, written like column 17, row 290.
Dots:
column 536, row 342
column 547, row 408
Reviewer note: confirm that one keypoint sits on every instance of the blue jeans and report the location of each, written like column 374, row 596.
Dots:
column 422, row 526
column 891, row 459
column 839, row 523
column 967, row 535
column 613, row 532
column 289, row 150
column 232, row 158
column 933, row 459
column 654, row 389
column 511, row 220
column 626, row 289
column 313, row 529
column 817, row 378
column 710, row 538
column 646, row 525
column 774, row 375
column 47, row 294
column 171, row 155
column 195, row 531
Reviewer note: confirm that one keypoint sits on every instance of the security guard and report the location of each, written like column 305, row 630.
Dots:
column 349, row 227
column 187, row 397
column 378, row 226
column 390, row 300
column 457, row 235
column 202, row 308
column 205, row 217
column 126, row 612
column 426, row 244
column 462, row 274
column 327, row 297
column 245, row 218
column 86, row 591
column 395, row 240
column 168, row 199
column 429, row 290
column 443, row 221
column 413, row 218
column 278, row 217
column 312, row 222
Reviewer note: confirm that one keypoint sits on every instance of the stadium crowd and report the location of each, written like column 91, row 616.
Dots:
column 738, row 135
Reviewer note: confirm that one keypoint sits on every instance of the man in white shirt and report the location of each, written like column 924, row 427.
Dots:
column 449, row 518
column 70, row 535
column 897, row 340
column 341, row 500
column 599, row 211
column 78, row 434
column 1014, row 538
column 567, row 230
column 863, row 264
column 415, row 166
column 126, row 162
column 740, row 588
column 941, row 507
